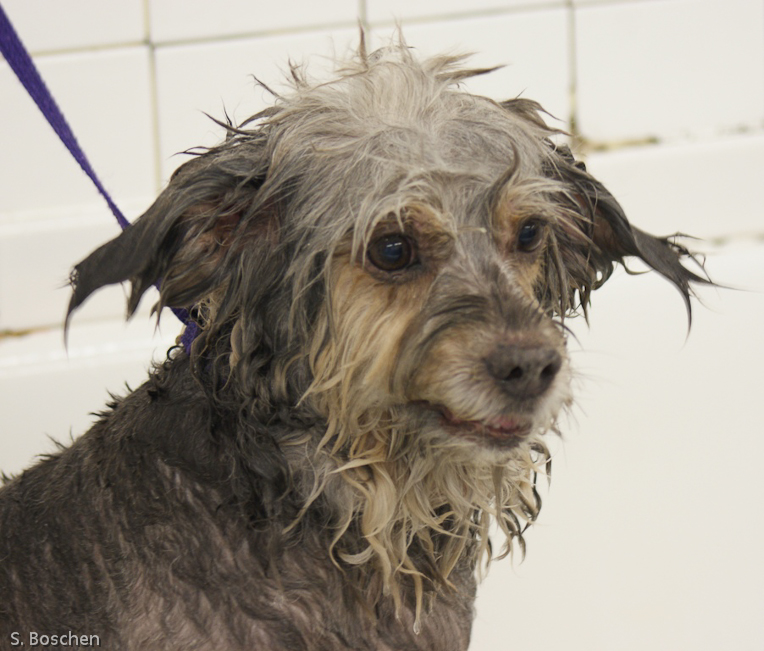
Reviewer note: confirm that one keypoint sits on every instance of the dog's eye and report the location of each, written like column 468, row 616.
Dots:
column 530, row 236
column 392, row 252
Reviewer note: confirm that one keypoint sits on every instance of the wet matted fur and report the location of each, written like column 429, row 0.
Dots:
column 380, row 267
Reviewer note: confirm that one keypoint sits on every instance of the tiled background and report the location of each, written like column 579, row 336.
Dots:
column 652, row 531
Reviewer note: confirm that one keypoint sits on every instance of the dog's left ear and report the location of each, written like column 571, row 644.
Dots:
column 187, row 239
column 599, row 235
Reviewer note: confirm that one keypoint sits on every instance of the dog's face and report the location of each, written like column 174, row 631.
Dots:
column 435, row 309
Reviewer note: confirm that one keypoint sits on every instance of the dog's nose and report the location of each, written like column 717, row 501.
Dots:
column 524, row 371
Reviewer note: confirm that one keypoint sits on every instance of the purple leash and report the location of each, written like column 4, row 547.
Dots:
column 21, row 63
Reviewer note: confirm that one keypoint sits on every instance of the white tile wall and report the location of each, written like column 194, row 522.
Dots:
column 45, row 25
column 532, row 46
column 35, row 261
column 391, row 11
column 652, row 528
column 74, row 382
column 215, row 77
column 173, row 20
column 710, row 189
column 106, row 98
column 675, row 68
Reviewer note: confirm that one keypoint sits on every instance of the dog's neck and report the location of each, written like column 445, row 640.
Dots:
column 406, row 508
column 407, row 514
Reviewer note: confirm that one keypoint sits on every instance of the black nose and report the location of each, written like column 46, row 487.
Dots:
column 524, row 371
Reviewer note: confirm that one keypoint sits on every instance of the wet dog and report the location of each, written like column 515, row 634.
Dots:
column 379, row 267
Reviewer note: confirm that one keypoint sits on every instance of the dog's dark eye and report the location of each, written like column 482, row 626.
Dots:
column 529, row 237
column 392, row 252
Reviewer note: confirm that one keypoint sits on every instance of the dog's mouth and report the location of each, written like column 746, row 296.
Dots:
column 503, row 431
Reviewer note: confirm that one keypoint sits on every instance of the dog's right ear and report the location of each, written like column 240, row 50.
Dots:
column 212, row 206
column 599, row 235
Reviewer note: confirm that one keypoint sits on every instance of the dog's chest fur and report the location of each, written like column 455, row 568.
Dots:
column 184, row 569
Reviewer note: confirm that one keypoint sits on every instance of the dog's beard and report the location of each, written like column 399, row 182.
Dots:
column 413, row 480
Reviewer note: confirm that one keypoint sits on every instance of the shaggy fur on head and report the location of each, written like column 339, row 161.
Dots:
column 379, row 266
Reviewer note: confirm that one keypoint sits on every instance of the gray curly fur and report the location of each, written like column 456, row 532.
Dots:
column 237, row 499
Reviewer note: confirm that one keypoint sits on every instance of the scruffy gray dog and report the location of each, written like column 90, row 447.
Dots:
column 380, row 267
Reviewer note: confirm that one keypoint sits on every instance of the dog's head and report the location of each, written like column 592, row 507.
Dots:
column 389, row 240
column 393, row 258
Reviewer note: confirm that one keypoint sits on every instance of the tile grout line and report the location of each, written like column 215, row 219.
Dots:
column 487, row 12
column 153, row 99
column 299, row 29
column 191, row 40
column 363, row 15
column 573, row 75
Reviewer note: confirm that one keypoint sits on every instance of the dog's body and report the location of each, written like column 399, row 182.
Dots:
column 380, row 267
column 137, row 538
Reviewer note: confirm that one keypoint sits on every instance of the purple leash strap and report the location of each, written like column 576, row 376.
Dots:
column 21, row 63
